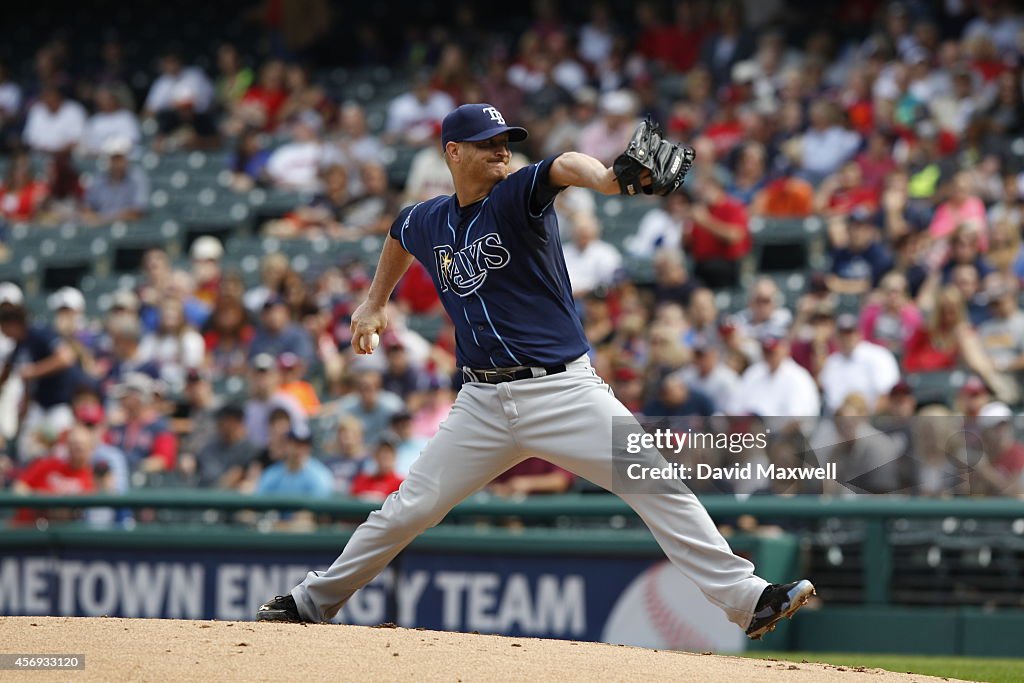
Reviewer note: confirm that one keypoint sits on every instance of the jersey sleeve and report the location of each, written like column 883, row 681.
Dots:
column 541, row 192
column 400, row 228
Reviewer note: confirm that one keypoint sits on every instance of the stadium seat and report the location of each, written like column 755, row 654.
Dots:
column 936, row 387
column 786, row 245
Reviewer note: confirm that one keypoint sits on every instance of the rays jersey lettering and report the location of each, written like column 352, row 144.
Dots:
column 464, row 271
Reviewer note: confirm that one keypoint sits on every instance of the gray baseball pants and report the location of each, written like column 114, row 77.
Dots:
column 564, row 418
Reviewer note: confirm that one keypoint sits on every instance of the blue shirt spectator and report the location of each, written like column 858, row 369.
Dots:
column 278, row 335
column 299, row 474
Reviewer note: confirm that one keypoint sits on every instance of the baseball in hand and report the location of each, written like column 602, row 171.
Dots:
column 374, row 341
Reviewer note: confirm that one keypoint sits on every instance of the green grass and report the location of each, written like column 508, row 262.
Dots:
column 966, row 668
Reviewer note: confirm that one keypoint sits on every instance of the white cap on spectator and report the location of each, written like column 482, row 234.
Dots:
column 206, row 248
column 10, row 293
column 618, row 103
column 117, row 145
column 994, row 414
column 137, row 382
column 66, row 297
column 125, row 298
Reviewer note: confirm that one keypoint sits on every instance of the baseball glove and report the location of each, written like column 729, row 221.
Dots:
column 667, row 162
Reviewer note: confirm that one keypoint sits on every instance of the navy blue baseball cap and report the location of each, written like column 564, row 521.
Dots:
column 476, row 122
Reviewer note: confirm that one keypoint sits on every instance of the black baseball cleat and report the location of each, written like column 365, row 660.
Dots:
column 778, row 601
column 282, row 608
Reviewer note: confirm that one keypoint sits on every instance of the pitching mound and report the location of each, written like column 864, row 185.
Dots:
column 157, row 650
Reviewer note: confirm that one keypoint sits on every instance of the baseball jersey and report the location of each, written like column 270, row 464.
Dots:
column 498, row 267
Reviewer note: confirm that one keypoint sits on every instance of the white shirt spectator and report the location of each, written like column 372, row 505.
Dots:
column 569, row 74
column 826, row 150
column 104, row 126
column 413, row 119
column 10, row 99
column 871, row 371
column 778, row 323
column 166, row 88
column 720, row 385
column 175, row 354
column 790, row 391
column 1002, row 32
column 593, row 266
column 428, row 177
column 51, row 131
column 657, row 230
column 296, row 166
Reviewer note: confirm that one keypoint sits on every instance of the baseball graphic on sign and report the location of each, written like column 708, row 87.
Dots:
column 663, row 609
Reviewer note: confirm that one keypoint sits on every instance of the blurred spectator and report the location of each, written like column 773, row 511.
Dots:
column 323, row 215
column 963, row 207
column 719, row 237
column 750, row 175
column 346, row 453
column 710, row 376
column 530, row 477
column 892, row 318
column 248, row 165
column 947, row 339
column 866, row 459
column 141, row 433
column 10, row 107
column 676, row 398
column 1002, row 449
column 227, row 336
column 857, row 367
column 369, row 404
column 59, row 476
column 827, row 145
column 859, row 257
column 661, row 228
column 261, row 105
column 111, row 121
column 296, row 164
column 298, row 474
column 67, row 305
column 384, row 480
column 110, row 468
column 729, row 44
column 607, row 136
column 672, row 281
column 54, row 123
column 120, row 194
column 65, row 191
column 233, row 77
column 122, row 354
column 814, row 339
column 765, row 312
column 1002, row 335
column 293, row 384
column 428, row 177
column 206, row 254
column 590, row 261
column 21, row 195
column 845, row 193
column 273, row 270
column 222, row 462
column 408, row 446
column 277, row 334
column 264, row 397
column 371, row 211
column 414, row 118
column 437, row 403
column 358, row 146
column 195, row 417
column 42, row 361
column 175, row 347
column 179, row 99
column 776, row 386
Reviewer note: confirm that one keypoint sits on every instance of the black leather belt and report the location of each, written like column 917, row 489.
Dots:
column 499, row 375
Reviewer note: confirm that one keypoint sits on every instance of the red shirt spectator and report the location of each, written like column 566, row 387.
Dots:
column 707, row 242
column 532, row 475
column 385, row 481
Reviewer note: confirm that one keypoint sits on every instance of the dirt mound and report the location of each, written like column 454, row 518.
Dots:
column 160, row 650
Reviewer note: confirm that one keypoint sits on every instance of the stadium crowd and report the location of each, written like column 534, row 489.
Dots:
column 903, row 137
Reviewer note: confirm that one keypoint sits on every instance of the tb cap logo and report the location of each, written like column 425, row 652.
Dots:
column 495, row 115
